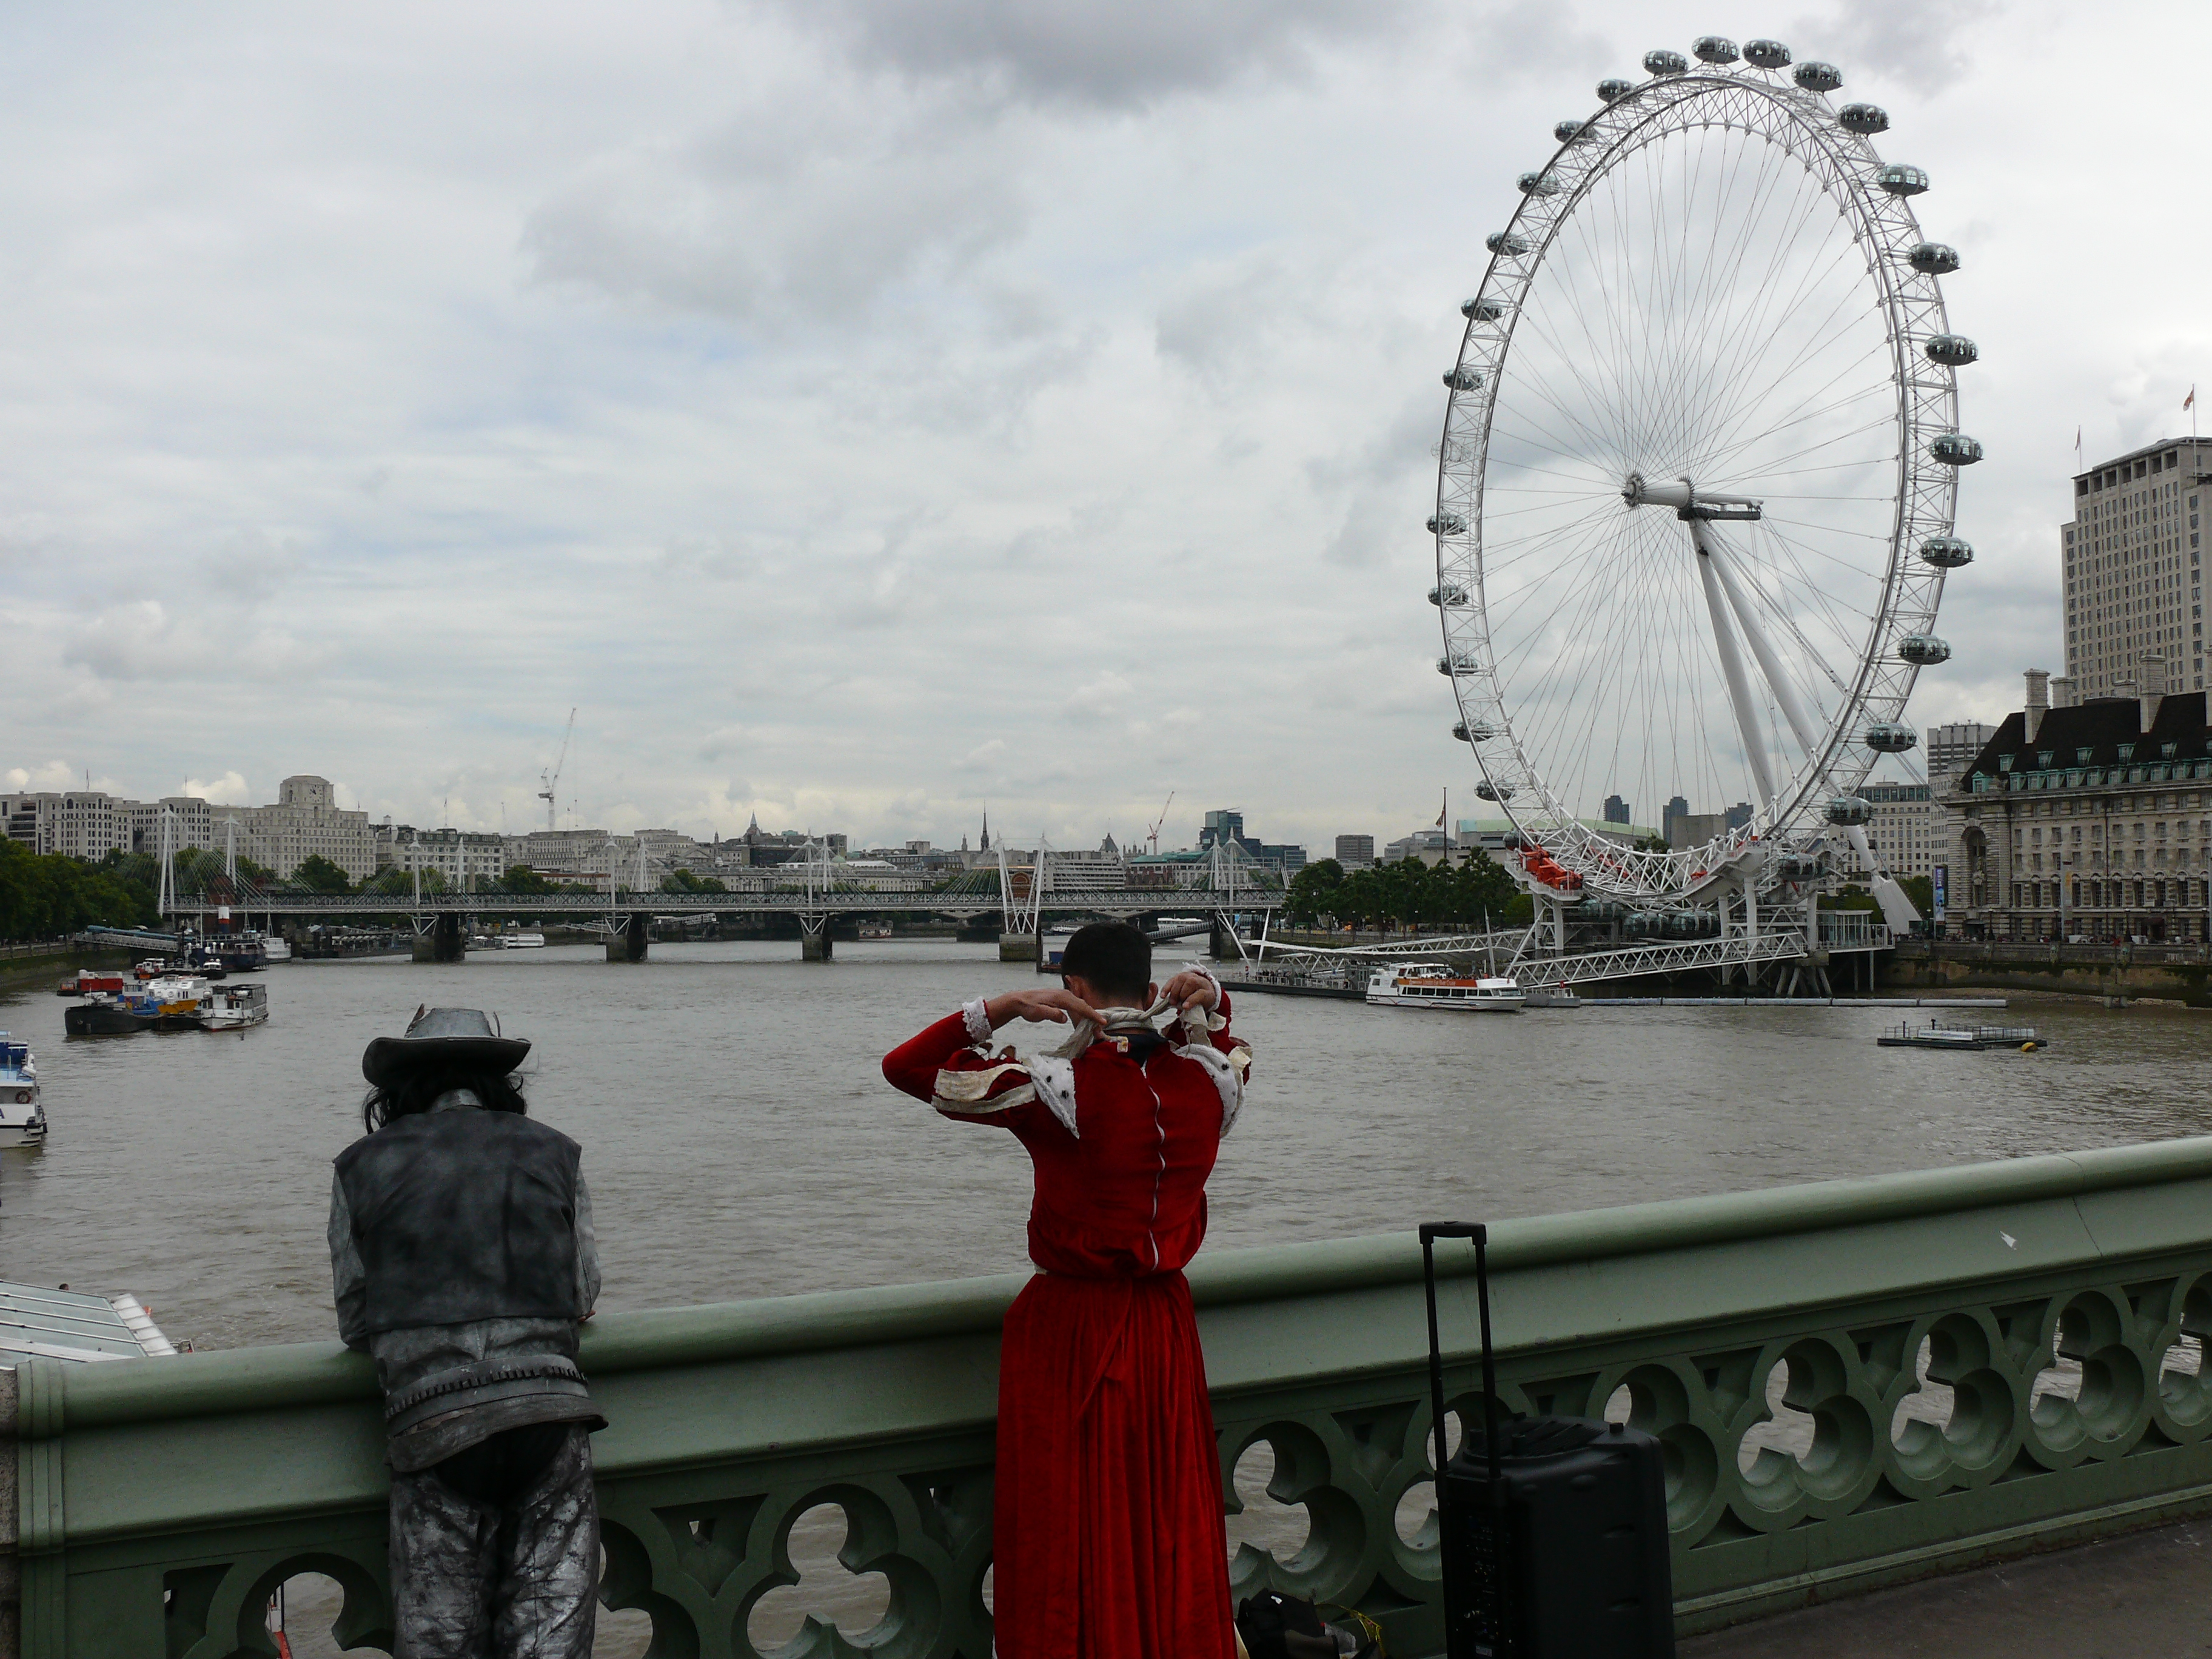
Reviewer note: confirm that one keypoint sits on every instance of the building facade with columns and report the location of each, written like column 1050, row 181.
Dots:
column 2088, row 819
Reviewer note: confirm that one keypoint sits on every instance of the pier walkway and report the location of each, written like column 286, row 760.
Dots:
column 2114, row 1598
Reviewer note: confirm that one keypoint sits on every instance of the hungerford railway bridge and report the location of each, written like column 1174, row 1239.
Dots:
column 1220, row 895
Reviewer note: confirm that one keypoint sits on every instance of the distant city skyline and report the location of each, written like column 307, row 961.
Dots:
column 856, row 434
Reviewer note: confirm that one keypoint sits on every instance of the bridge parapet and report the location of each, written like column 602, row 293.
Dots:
column 1858, row 1382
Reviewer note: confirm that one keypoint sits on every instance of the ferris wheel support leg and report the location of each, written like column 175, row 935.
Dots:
column 1896, row 909
column 1739, row 684
column 1718, row 555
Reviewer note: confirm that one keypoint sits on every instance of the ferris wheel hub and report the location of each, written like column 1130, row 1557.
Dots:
column 1686, row 499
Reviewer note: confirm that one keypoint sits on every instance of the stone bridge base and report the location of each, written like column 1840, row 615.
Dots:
column 445, row 942
column 629, row 944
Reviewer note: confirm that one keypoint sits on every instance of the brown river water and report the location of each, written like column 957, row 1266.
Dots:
column 740, row 1141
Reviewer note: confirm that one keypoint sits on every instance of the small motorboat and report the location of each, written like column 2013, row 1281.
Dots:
column 176, row 1000
column 234, row 1007
column 87, row 982
column 522, row 941
column 22, row 1119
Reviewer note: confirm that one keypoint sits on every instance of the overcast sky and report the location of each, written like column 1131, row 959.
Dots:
column 861, row 411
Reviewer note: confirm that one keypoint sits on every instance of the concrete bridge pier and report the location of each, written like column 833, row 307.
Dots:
column 1221, row 938
column 815, row 943
column 1018, row 947
column 628, row 945
column 445, row 942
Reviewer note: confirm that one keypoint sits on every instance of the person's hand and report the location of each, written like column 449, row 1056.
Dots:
column 1046, row 1005
column 1188, row 990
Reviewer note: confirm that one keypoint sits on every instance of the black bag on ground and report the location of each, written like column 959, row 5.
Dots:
column 1278, row 1626
column 1554, row 1530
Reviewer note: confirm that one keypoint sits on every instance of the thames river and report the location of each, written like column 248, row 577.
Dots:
column 740, row 1141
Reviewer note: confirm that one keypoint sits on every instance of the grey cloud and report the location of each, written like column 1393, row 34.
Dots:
column 1081, row 53
column 810, row 218
column 1921, row 43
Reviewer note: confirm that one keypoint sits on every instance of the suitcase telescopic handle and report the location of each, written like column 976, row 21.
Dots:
column 1480, row 1235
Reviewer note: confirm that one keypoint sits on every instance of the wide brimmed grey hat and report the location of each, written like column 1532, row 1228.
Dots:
column 449, row 1039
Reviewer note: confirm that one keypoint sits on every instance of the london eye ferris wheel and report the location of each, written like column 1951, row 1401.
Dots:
column 1695, row 498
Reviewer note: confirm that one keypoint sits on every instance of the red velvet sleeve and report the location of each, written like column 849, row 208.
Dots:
column 938, row 1064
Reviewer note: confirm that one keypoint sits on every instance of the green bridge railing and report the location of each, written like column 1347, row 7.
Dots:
column 1857, row 1382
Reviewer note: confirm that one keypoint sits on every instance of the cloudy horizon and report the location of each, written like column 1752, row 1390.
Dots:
column 861, row 413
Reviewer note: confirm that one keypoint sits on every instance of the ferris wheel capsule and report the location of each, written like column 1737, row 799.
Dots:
column 1663, row 61
column 1891, row 737
column 1767, row 54
column 1846, row 811
column 1473, row 731
column 1933, row 259
column 1613, row 89
column 1447, row 598
column 1490, row 791
column 1538, row 183
column 1505, row 242
column 1447, row 524
column 1715, row 49
column 1947, row 552
column 1953, row 350
column 1462, row 377
column 1566, row 131
column 1900, row 179
column 1816, row 76
column 1459, row 662
column 1865, row 119
column 1923, row 650
column 1482, row 309
column 1956, row 449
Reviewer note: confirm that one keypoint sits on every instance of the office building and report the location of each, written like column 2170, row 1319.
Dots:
column 466, row 858
column 1355, row 852
column 1902, row 833
column 1616, row 809
column 2132, row 569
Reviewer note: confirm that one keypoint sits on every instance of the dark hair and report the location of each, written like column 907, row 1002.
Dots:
column 1114, row 957
column 417, row 1091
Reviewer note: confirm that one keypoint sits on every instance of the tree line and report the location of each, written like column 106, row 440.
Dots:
column 1406, row 894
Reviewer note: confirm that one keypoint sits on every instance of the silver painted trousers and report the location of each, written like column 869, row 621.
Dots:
column 490, row 1564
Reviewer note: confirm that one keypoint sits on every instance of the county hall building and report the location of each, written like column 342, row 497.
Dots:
column 2086, row 817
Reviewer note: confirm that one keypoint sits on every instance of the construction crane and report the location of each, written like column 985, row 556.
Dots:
column 549, row 779
column 1153, row 835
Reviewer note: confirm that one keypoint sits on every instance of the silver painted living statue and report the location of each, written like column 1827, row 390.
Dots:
column 462, row 1251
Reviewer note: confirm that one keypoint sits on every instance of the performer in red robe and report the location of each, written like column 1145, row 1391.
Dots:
column 1108, row 1533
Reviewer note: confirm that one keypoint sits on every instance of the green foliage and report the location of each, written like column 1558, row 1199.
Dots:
column 318, row 875
column 1408, row 893
column 682, row 881
column 1921, row 889
column 44, row 895
column 393, row 883
column 521, row 878
column 1849, row 898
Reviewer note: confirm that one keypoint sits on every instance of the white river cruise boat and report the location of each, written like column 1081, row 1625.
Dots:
column 1434, row 985
column 22, row 1119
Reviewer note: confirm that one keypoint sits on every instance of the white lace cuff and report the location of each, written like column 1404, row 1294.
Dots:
column 979, row 1022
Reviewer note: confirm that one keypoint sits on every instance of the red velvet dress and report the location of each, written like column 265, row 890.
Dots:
column 1108, row 1533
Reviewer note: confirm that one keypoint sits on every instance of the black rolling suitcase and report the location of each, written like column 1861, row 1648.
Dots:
column 1554, row 1530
